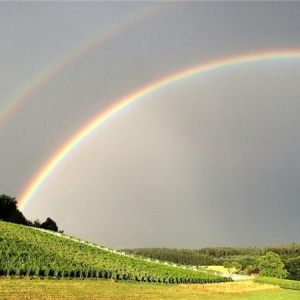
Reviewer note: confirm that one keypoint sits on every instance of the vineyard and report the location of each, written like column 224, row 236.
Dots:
column 26, row 251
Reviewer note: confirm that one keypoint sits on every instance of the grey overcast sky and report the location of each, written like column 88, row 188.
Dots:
column 211, row 160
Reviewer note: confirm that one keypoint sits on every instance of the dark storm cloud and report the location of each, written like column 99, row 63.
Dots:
column 210, row 160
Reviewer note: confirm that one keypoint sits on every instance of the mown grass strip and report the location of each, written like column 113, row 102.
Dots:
column 91, row 289
column 231, row 288
column 283, row 283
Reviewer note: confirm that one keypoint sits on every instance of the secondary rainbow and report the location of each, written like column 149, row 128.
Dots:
column 124, row 102
column 58, row 64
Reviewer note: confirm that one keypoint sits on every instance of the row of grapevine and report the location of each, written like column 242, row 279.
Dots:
column 26, row 251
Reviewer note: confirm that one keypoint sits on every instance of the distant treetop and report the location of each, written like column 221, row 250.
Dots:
column 9, row 212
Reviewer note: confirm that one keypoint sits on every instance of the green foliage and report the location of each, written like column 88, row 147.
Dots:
column 27, row 251
column 293, row 267
column 283, row 283
column 248, row 269
column 227, row 265
column 232, row 267
column 246, row 256
column 270, row 265
column 237, row 266
column 247, row 261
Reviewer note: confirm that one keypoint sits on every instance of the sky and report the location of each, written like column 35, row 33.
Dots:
column 212, row 159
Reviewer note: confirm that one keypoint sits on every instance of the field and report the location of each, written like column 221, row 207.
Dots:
column 220, row 269
column 38, row 265
column 26, row 289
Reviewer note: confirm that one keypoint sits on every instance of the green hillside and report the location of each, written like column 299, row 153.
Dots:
column 26, row 251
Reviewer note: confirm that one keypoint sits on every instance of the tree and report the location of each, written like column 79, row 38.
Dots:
column 233, row 266
column 8, row 206
column 247, row 261
column 237, row 266
column 36, row 223
column 9, row 211
column 248, row 270
column 49, row 224
column 227, row 265
column 293, row 268
column 270, row 265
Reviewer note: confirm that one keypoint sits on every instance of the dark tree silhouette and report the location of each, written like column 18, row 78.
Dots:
column 9, row 211
column 49, row 224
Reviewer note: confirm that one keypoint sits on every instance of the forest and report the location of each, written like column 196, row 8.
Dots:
column 245, row 257
column 216, row 255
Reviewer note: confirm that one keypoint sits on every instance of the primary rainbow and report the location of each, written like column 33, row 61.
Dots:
column 86, row 45
column 120, row 104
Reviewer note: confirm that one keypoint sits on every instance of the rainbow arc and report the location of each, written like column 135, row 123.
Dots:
column 138, row 95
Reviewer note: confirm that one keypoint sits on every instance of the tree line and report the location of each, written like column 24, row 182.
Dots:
column 9, row 212
column 243, row 259
column 216, row 255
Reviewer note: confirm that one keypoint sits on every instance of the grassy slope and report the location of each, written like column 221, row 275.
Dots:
column 28, row 251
